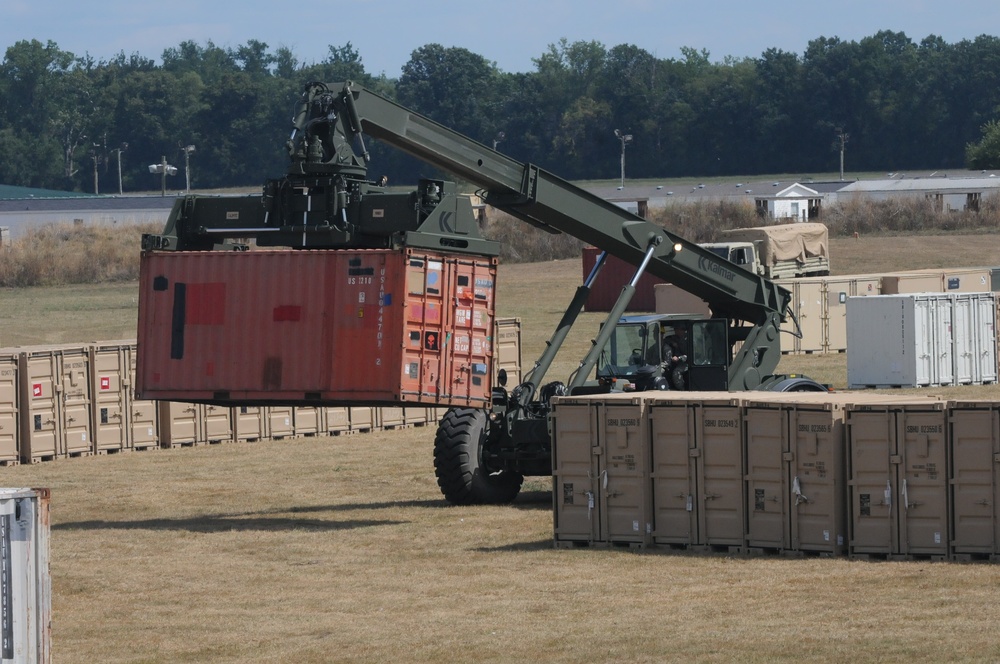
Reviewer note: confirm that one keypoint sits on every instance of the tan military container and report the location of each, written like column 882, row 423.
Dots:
column 111, row 383
column 601, row 471
column 9, row 401
column 249, row 423
column 308, row 420
column 55, row 400
column 898, row 479
column 974, row 451
column 363, row 419
column 796, row 470
column 507, row 349
column 573, row 425
column 280, row 422
column 216, row 423
column 180, row 424
column 338, row 419
column 711, row 439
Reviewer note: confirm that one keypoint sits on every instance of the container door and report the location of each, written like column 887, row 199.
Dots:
column 338, row 419
column 963, row 335
column 673, row 459
column 217, row 424
column 871, row 445
column 943, row 341
column 8, row 409
column 469, row 351
column 767, row 493
column 623, row 470
column 111, row 373
column 818, row 481
column 574, row 469
column 306, row 420
column 390, row 417
column 41, row 424
column 720, row 482
column 425, row 322
column 837, row 292
column 279, row 422
column 179, row 423
column 249, row 423
column 507, row 348
column 811, row 315
column 984, row 315
column 975, row 491
column 923, row 483
column 362, row 418
column 75, row 380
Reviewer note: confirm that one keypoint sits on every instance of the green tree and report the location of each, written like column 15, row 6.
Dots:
column 985, row 153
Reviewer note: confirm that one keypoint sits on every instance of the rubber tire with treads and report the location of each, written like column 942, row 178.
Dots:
column 457, row 463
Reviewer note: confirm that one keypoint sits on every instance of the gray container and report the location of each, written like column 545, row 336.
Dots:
column 25, row 582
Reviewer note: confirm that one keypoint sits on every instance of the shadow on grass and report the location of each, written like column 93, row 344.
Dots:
column 518, row 547
column 533, row 500
column 221, row 523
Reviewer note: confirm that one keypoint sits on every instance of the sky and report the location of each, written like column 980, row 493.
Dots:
column 510, row 33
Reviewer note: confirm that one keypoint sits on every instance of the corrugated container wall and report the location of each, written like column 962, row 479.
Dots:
column 25, row 581
column 608, row 286
column 374, row 327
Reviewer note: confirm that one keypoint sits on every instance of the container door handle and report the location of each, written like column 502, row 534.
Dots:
column 888, row 494
column 797, row 492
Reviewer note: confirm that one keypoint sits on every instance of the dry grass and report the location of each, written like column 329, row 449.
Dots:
column 346, row 553
column 341, row 549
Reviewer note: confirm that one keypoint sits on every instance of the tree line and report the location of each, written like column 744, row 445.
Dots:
column 887, row 102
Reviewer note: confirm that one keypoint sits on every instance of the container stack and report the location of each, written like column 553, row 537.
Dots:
column 864, row 475
column 79, row 400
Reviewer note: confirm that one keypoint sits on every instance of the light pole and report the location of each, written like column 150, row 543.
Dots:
column 842, row 137
column 625, row 139
column 496, row 140
column 164, row 169
column 188, row 149
column 118, row 152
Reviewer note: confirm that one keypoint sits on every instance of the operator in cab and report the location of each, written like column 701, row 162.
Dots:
column 674, row 354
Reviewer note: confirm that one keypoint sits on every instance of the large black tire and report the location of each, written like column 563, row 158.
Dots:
column 457, row 449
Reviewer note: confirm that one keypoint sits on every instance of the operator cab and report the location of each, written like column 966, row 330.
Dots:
column 666, row 352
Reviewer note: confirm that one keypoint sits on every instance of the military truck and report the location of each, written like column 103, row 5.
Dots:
column 782, row 251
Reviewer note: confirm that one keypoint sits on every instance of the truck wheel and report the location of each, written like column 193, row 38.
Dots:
column 457, row 449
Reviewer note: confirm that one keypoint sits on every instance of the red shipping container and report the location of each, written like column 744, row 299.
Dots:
column 609, row 283
column 343, row 327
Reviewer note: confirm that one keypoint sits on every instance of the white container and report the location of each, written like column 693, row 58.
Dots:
column 25, row 584
column 921, row 339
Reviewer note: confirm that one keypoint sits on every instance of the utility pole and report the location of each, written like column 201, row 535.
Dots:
column 842, row 137
column 625, row 139
column 163, row 169
column 188, row 149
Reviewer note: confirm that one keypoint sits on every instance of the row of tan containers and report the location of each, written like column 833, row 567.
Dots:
column 77, row 400
column 862, row 475
column 820, row 303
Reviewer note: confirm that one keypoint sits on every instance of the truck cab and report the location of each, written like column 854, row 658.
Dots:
column 743, row 254
column 639, row 355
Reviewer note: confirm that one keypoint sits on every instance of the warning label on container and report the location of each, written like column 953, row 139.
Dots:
column 36, row 389
column 105, row 382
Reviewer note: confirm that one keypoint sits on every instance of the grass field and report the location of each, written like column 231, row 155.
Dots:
column 341, row 549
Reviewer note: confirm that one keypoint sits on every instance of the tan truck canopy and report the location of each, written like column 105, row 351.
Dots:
column 784, row 242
